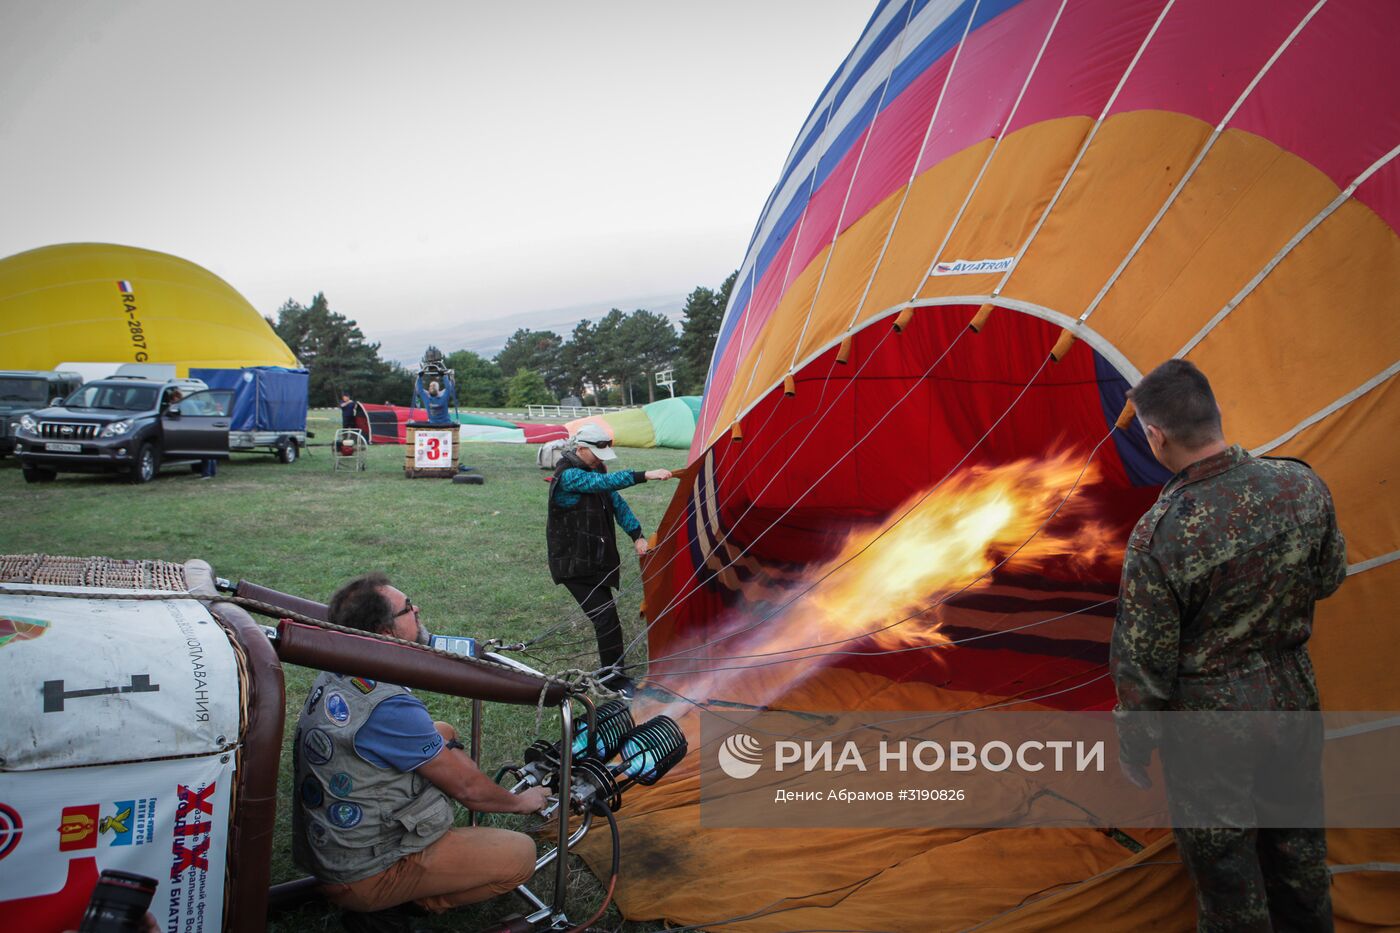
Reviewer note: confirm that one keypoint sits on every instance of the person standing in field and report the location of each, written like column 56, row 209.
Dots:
column 347, row 410
column 584, row 506
column 1214, row 614
column 437, row 399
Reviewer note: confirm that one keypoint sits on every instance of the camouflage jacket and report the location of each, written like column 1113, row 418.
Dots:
column 1219, row 580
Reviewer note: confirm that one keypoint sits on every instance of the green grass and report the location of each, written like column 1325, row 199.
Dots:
column 471, row 556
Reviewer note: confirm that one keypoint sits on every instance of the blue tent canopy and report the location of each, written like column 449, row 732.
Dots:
column 265, row 398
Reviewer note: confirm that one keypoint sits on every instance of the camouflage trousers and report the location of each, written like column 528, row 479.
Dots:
column 1266, row 880
column 1233, row 780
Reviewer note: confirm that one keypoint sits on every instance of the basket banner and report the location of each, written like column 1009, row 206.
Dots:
column 100, row 681
column 432, row 449
column 168, row 820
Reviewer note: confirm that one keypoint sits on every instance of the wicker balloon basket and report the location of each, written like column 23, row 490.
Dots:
column 431, row 451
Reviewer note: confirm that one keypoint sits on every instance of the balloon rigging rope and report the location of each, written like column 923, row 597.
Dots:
column 939, row 715
column 953, row 594
column 630, row 588
column 675, row 601
column 578, row 616
column 914, row 385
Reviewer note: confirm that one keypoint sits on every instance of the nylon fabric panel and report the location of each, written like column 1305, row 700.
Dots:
column 631, row 428
column 574, row 426
column 1308, row 334
column 1125, row 177
column 66, row 303
column 900, row 127
column 991, row 71
column 888, row 158
column 771, row 347
column 1365, row 900
column 807, row 474
column 1010, row 199
column 1355, row 453
column 980, row 873
column 1245, row 201
column 1088, row 55
column 822, row 212
column 933, row 202
column 1334, row 108
column 1226, row 43
column 736, row 360
column 467, row 417
column 1381, row 193
column 1353, row 646
column 1136, row 894
column 852, row 262
column 672, row 421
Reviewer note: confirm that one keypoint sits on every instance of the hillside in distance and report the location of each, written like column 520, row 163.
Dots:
column 488, row 336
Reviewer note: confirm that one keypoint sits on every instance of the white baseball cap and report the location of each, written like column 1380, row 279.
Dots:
column 597, row 440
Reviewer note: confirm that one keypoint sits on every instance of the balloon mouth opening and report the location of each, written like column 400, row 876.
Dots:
column 948, row 510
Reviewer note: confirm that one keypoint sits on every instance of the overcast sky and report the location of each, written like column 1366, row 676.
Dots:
column 420, row 162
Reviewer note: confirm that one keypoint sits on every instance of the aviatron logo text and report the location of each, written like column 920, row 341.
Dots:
column 973, row 266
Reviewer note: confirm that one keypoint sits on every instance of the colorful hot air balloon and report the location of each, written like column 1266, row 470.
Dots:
column 100, row 303
column 998, row 215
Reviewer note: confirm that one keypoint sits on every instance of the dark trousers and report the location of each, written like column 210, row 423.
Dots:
column 596, row 599
column 1260, row 880
column 1235, row 783
column 209, row 467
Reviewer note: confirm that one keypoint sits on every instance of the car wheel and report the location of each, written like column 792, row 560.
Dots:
column 147, row 464
column 38, row 475
column 288, row 452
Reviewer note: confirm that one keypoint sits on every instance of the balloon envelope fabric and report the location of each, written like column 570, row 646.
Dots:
column 102, row 303
column 997, row 216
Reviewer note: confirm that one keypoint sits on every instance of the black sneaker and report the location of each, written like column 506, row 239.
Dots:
column 393, row 920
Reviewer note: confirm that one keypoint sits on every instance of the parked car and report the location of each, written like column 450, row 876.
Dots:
column 27, row 390
column 125, row 424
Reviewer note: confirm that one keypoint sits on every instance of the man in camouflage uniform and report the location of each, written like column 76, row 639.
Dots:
column 1215, row 610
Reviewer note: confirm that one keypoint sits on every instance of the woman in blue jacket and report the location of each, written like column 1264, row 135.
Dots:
column 584, row 508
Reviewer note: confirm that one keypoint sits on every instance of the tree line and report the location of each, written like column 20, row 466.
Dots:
column 611, row 361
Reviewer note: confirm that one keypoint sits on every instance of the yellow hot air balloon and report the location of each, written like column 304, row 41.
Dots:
column 103, row 303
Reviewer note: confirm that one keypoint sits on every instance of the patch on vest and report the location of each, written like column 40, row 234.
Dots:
column 311, row 794
column 315, row 698
column 344, row 815
column 319, row 747
column 341, row 785
column 337, row 710
column 316, row 832
column 362, row 684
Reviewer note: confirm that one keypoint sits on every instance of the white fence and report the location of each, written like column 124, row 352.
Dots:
column 570, row 412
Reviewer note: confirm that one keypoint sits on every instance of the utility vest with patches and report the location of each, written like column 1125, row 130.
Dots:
column 582, row 540
column 352, row 819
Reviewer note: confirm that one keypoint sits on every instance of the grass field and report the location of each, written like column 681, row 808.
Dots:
column 471, row 556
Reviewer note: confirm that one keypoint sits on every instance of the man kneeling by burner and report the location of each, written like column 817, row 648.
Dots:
column 375, row 780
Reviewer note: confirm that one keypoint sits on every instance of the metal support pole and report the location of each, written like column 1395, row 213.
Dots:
column 474, row 818
column 566, row 767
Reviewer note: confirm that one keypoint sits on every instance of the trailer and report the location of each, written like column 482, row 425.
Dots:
column 269, row 408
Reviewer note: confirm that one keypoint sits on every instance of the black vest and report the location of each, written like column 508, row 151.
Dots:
column 582, row 540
